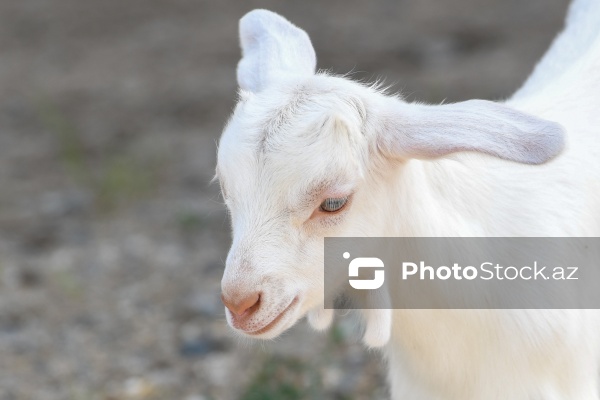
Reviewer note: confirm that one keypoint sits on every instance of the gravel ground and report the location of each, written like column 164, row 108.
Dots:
column 112, row 240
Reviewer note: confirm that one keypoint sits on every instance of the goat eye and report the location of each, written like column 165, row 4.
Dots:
column 333, row 204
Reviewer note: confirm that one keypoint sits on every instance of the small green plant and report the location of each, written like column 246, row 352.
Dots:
column 71, row 149
column 190, row 222
column 121, row 180
column 68, row 283
column 284, row 378
column 114, row 180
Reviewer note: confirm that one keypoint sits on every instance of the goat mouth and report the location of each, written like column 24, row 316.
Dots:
column 275, row 320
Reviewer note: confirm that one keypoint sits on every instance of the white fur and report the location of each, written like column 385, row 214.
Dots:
column 528, row 167
column 272, row 46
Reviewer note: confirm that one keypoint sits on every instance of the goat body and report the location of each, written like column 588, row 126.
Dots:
column 527, row 167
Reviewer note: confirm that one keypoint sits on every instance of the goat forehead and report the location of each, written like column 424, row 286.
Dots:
column 255, row 148
column 289, row 173
column 278, row 139
column 290, row 123
column 298, row 109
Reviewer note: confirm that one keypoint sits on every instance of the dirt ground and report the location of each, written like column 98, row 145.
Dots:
column 112, row 240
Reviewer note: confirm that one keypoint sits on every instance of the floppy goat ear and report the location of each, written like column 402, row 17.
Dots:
column 422, row 131
column 271, row 46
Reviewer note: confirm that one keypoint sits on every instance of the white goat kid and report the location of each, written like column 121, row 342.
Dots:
column 307, row 155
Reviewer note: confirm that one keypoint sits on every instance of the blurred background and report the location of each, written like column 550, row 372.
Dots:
column 112, row 240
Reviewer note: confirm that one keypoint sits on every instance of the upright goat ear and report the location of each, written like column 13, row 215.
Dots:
column 271, row 46
column 420, row 131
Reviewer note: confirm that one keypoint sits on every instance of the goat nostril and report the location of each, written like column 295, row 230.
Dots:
column 242, row 305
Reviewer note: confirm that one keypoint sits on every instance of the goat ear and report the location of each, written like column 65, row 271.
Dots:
column 420, row 131
column 271, row 45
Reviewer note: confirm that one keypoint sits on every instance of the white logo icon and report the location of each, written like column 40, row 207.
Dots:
column 365, row 262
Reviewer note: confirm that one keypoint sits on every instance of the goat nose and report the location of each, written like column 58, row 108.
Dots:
column 240, row 305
